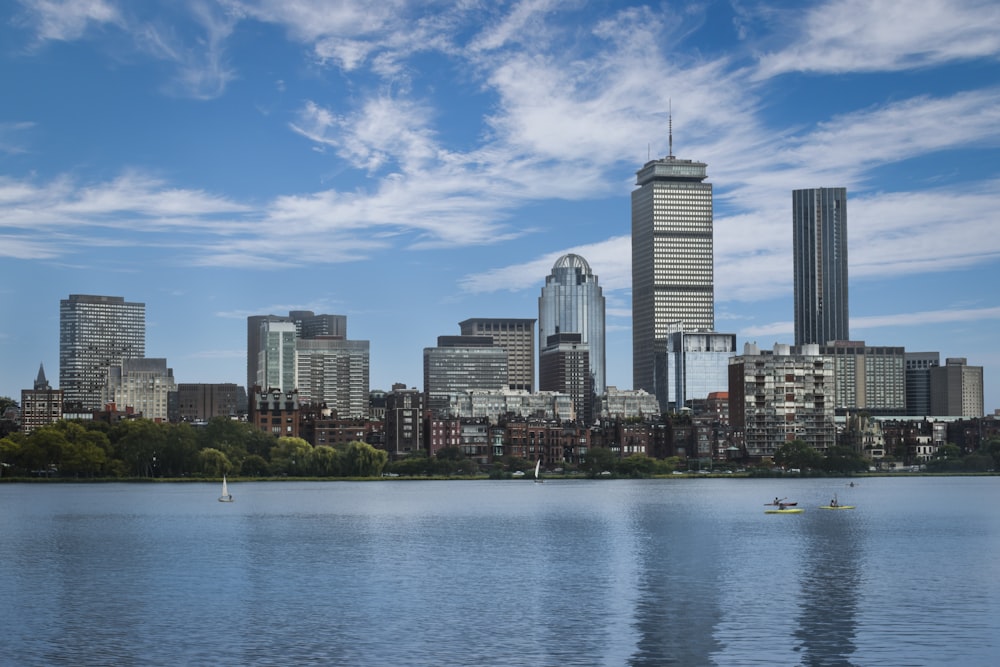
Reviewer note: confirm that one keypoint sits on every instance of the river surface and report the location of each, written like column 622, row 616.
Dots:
column 569, row 572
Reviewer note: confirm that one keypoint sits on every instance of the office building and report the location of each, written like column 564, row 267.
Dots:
column 42, row 405
column 144, row 385
column 572, row 302
column 461, row 363
column 404, row 433
column 693, row 365
column 779, row 396
column 335, row 373
column 200, row 402
column 957, row 389
column 517, row 337
column 276, row 360
column 868, row 378
column 918, row 381
column 310, row 325
column 96, row 333
column 672, row 258
column 819, row 260
column 564, row 366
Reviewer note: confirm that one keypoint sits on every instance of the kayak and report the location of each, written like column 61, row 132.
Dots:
column 836, row 507
column 785, row 504
column 788, row 511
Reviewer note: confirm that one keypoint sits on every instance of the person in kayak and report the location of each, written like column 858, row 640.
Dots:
column 833, row 501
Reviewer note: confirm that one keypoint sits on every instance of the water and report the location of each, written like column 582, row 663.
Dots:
column 652, row 572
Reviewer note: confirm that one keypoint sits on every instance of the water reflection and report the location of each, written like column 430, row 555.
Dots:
column 830, row 578
column 678, row 586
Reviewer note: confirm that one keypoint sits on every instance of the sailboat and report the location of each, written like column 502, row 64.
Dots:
column 226, row 497
column 538, row 466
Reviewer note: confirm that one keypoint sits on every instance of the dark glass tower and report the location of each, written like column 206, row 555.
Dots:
column 819, row 248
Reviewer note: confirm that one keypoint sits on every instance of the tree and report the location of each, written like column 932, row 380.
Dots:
column 213, row 462
column 798, row 454
column 255, row 466
column 844, row 460
column 363, row 460
column 597, row 461
column 291, row 456
column 326, row 461
column 636, row 465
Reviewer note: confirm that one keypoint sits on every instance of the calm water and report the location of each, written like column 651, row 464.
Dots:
column 654, row 572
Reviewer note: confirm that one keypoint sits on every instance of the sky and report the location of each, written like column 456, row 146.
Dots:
column 414, row 164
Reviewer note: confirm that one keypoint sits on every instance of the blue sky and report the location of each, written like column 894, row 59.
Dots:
column 414, row 164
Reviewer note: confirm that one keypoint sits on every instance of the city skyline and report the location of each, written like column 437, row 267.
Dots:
column 414, row 166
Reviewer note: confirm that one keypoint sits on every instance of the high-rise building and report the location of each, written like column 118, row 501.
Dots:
column 672, row 258
column 96, row 333
column 517, row 337
column 819, row 258
column 957, row 389
column 918, row 381
column 868, row 378
column 276, row 362
column 201, row 402
column 254, row 323
column 564, row 366
column 779, row 396
column 695, row 364
column 310, row 325
column 461, row 363
column 335, row 373
column 144, row 385
column 573, row 303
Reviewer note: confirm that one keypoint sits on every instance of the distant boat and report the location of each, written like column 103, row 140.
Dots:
column 226, row 497
column 538, row 466
column 792, row 510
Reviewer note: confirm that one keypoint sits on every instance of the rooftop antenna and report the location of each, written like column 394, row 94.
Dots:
column 670, row 128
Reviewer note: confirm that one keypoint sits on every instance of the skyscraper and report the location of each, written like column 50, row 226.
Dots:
column 334, row 372
column 96, row 333
column 276, row 358
column 819, row 250
column 572, row 302
column 459, row 364
column 672, row 258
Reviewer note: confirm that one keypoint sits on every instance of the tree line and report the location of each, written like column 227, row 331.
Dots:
column 144, row 448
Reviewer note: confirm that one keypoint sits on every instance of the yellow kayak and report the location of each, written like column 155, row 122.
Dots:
column 836, row 507
column 792, row 510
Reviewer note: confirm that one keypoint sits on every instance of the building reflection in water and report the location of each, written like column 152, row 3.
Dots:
column 832, row 571
column 677, row 603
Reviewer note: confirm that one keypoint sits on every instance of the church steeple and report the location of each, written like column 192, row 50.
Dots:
column 41, row 384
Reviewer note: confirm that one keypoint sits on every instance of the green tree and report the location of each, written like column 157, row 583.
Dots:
column 255, row 466
column 844, row 460
column 636, row 465
column 798, row 454
column 291, row 456
column 598, row 460
column 214, row 463
column 326, row 461
column 363, row 460
column 139, row 443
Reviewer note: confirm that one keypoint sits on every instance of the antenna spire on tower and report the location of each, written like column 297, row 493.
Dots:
column 670, row 128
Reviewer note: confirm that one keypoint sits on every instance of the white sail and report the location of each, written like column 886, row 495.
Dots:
column 538, row 466
column 225, row 497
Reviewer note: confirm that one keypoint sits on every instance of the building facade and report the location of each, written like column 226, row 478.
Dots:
column 572, row 302
column 517, row 337
column 564, row 366
column 200, row 402
column 868, row 378
column 142, row 384
column 918, row 381
column 334, row 372
column 96, row 333
column 779, row 396
column 42, row 405
column 276, row 356
column 461, row 363
column 404, row 433
column 672, row 258
column 957, row 389
column 692, row 365
column 819, row 260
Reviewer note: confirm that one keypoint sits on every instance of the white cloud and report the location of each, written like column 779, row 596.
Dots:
column 66, row 20
column 886, row 35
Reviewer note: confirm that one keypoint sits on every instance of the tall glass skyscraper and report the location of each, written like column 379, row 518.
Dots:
column 819, row 250
column 96, row 333
column 672, row 259
column 573, row 303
